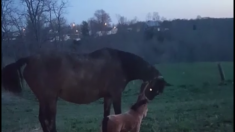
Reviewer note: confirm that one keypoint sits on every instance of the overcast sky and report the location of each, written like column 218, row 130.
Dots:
column 80, row 10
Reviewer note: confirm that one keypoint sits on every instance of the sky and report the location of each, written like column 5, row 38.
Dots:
column 80, row 10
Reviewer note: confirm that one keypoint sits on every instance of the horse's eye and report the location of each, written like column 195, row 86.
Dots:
column 150, row 89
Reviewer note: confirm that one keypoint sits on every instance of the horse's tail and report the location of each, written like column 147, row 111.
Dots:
column 105, row 124
column 12, row 77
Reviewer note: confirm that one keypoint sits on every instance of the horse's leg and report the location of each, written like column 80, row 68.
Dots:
column 117, row 104
column 42, row 117
column 47, row 115
column 52, row 116
column 107, row 106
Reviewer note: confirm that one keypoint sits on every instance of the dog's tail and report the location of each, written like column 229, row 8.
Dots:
column 105, row 124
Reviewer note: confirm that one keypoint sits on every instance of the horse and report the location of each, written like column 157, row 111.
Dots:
column 80, row 78
column 130, row 120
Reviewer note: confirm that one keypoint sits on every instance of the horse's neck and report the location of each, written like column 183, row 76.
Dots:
column 145, row 112
column 136, row 68
column 148, row 74
column 141, row 112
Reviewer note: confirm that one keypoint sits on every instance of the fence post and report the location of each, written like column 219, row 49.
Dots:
column 221, row 72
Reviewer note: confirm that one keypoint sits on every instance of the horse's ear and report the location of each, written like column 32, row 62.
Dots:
column 166, row 83
column 160, row 77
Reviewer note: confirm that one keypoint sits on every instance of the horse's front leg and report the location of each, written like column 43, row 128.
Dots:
column 107, row 106
column 117, row 104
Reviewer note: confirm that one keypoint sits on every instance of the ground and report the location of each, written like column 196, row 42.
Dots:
column 197, row 102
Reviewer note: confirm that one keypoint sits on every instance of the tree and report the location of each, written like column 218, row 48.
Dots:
column 155, row 16
column 121, row 20
column 41, row 12
column 35, row 10
column 12, row 20
column 85, row 29
column 102, row 19
column 5, row 17
column 92, row 26
column 56, row 9
column 149, row 16
column 133, row 21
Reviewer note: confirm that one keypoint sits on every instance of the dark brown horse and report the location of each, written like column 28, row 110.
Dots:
column 80, row 78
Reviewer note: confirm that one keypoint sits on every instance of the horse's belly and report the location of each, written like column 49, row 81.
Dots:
column 86, row 86
column 79, row 95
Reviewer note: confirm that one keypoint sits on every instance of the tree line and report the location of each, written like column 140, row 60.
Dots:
column 37, row 21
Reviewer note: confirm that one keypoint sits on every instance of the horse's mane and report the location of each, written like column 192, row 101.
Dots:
column 138, row 104
column 135, row 66
column 124, row 55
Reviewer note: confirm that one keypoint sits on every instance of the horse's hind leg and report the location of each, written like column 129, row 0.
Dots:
column 42, row 118
column 47, row 115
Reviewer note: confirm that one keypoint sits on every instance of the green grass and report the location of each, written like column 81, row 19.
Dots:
column 196, row 103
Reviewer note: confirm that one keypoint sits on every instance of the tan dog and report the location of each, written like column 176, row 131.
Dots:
column 130, row 120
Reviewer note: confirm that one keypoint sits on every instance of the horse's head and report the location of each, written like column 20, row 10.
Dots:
column 154, row 87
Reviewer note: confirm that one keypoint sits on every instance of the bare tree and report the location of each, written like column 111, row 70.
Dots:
column 35, row 10
column 12, row 20
column 149, row 16
column 44, row 13
column 56, row 11
column 18, row 21
column 133, row 21
column 5, row 18
column 85, row 29
column 92, row 25
column 102, row 19
column 121, row 20
column 155, row 16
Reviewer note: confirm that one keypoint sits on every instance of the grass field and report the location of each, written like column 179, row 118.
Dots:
column 196, row 103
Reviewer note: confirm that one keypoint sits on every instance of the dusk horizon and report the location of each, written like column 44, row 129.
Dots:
column 179, row 9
